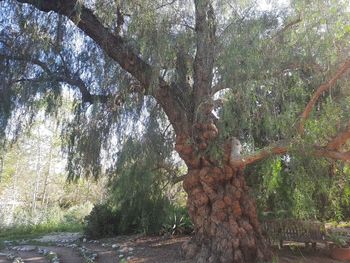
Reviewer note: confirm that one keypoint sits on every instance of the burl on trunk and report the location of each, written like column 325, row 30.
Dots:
column 222, row 210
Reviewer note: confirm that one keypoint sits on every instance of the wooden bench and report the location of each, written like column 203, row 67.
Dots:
column 281, row 230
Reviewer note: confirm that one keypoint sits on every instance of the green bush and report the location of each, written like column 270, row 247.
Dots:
column 102, row 222
column 143, row 209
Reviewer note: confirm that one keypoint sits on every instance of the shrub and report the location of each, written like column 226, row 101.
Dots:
column 102, row 222
column 178, row 222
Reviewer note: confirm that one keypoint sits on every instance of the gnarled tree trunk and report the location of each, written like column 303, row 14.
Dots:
column 221, row 208
column 224, row 215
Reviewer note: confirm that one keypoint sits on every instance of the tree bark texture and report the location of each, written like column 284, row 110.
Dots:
column 225, row 218
column 220, row 205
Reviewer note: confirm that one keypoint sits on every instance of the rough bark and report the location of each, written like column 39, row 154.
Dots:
column 219, row 204
column 225, row 218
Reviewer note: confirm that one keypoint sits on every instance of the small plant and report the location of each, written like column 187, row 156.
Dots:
column 178, row 222
column 338, row 239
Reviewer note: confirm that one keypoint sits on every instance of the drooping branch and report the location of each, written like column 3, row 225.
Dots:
column 324, row 87
column 64, row 77
column 85, row 94
column 115, row 46
column 120, row 51
column 242, row 78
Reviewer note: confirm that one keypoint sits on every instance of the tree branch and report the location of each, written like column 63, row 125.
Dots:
column 178, row 179
column 280, row 150
column 323, row 152
column 204, row 59
column 119, row 50
column 115, row 46
column 59, row 77
column 339, row 140
column 218, row 87
column 324, row 87
column 263, row 154
column 286, row 27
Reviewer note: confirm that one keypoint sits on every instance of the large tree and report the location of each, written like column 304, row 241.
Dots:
column 274, row 70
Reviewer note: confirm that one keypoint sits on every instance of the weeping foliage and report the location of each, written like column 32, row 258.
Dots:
column 144, row 166
column 302, row 188
column 138, row 182
column 53, row 50
column 271, row 74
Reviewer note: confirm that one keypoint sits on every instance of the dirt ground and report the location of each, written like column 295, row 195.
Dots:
column 145, row 249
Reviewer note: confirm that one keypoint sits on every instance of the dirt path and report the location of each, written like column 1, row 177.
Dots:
column 104, row 255
column 158, row 250
column 66, row 255
column 27, row 256
column 149, row 249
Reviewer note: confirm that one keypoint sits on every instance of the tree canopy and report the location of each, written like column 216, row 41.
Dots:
column 269, row 63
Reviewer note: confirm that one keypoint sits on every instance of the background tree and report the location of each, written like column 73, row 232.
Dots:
column 282, row 74
column 34, row 191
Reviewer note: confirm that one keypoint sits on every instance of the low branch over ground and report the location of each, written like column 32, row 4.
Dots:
column 280, row 150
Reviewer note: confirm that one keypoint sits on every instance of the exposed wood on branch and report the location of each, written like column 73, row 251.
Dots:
column 324, row 87
column 323, row 152
column 263, row 154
